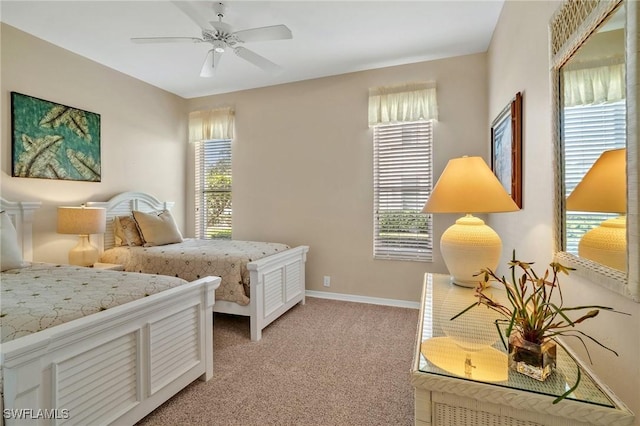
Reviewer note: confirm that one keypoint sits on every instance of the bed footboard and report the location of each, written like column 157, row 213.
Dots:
column 113, row 367
column 277, row 284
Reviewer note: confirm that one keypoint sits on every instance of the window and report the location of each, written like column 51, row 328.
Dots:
column 402, row 184
column 213, row 189
column 589, row 130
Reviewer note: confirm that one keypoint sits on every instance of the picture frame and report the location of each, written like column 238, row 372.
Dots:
column 506, row 148
column 53, row 141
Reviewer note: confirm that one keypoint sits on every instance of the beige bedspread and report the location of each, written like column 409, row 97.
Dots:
column 43, row 295
column 195, row 258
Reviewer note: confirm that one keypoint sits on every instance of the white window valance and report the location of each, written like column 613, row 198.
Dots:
column 403, row 104
column 595, row 85
column 211, row 124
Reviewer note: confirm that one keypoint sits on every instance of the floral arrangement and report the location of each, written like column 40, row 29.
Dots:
column 531, row 309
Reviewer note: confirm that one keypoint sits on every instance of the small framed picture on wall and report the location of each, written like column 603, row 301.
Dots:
column 506, row 148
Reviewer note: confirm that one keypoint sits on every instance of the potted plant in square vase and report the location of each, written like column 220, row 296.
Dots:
column 533, row 315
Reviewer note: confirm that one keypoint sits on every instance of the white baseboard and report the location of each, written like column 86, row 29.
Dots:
column 362, row 299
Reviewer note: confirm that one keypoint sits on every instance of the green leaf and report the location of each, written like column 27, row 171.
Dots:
column 74, row 119
column 567, row 393
column 39, row 157
column 465, row 310
column 55, row 117
column 88, row 168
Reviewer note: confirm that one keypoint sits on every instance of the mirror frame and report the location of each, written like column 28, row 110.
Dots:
column 569, row 28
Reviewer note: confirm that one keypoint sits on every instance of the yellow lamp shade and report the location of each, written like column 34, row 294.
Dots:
column 81, row 220
column 604, row 187
column 467, row 185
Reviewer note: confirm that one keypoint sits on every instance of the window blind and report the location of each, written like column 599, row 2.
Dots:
column 402, row 184
column 213, row 189
column 588, row 131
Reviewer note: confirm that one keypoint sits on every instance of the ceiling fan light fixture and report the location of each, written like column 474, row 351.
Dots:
column 218, row 46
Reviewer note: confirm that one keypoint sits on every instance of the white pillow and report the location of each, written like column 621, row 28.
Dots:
column 157, row 229
column 10, row 252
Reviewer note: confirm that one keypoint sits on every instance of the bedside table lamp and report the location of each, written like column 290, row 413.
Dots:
column 604, row 189
column 467, row 185
column 82, row 221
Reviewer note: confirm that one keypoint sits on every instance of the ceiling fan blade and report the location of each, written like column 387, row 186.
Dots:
column 274, row 32
column 144, row 40
column 210, row 63
column 192, row 12
column 257, row 60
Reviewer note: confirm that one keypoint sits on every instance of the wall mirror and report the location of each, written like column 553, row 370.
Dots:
column 594, row 52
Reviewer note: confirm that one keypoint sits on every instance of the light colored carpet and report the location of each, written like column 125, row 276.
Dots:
column 323, row 363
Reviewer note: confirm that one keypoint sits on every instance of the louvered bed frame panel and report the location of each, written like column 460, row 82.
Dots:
column 112, row 367
column 277, row 282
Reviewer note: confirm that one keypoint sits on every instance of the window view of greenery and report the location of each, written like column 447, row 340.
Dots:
column 215, row 207
column 589, row 130
column 402, row 184
column 409, row 227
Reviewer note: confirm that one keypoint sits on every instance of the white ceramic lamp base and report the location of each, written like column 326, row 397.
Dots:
column 83, row 254
column 467, row 247
column 606, row 244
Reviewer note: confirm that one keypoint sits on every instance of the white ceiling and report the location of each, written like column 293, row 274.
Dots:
column 329, row 37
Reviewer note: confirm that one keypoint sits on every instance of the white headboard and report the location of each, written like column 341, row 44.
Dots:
column 21, row 214
column 122, row 205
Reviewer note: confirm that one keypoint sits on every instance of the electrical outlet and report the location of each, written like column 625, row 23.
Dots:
column 327, row 281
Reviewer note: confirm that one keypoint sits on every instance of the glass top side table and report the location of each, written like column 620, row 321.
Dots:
column 466, row 358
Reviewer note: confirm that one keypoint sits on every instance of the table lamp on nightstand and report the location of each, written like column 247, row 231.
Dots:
column 467, row 185
column 82, row 221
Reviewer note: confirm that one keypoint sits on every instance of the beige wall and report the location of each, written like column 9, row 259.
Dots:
column 302, row 167
column 143, row 132
column 518, row 60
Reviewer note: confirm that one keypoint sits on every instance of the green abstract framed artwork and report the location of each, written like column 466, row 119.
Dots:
column 53, row 141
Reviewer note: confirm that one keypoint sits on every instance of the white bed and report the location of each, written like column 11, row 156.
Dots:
column 277, row 282
column 131, row 348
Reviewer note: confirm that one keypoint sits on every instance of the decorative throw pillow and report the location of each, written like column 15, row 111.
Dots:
column 157, row 228
column 125, row 231
column 10, row 252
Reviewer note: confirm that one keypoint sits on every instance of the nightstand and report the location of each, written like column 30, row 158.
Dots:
column 109, row 266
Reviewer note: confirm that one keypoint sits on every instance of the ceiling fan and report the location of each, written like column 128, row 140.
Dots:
column 222, row 37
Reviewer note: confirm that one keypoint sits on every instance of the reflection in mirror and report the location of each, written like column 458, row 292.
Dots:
column 593, row 109
column 579, row 42
column 602, row 190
